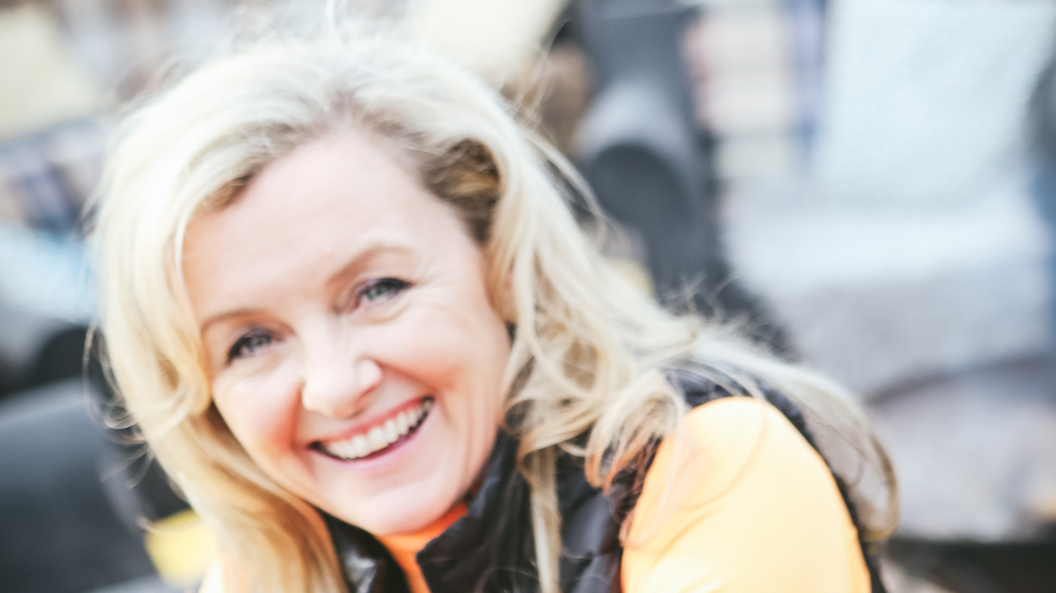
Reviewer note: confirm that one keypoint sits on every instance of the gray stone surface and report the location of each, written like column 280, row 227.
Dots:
column 878, row 297
column 975, row 452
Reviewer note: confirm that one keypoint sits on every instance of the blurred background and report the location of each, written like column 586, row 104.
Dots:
column 867, row 186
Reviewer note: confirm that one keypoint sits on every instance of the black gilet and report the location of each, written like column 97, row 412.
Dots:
column 490, row 549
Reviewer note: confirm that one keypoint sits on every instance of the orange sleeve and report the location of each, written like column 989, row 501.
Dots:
column 743, row 505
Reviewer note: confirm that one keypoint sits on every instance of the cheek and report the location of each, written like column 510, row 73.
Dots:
column 261, row 413
column 449, row 352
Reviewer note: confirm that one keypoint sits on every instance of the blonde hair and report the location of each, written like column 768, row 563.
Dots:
column 590, row 353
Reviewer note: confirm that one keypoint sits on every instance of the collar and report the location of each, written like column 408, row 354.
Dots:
column 465, row 553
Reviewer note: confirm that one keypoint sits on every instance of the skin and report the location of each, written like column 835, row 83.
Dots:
column 333, row 293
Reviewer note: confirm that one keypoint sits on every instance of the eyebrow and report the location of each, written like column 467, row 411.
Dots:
column 214, row 319
column 358, row 261
column 363, row 256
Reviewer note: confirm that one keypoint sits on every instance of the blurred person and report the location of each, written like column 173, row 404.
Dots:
column 346, row 301
column 1042, row 126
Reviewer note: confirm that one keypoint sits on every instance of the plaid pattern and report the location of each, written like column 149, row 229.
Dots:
column 46, row 177
column 756, row 69
column 805, row 20
column 126, row 45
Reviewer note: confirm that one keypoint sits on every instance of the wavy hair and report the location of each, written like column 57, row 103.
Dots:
column 591, row 354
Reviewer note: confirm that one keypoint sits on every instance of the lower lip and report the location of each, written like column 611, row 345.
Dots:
column 388, row 455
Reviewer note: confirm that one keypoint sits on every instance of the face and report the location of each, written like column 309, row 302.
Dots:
column 352, row 348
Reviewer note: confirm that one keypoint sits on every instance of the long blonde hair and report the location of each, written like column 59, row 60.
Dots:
column 590, row 353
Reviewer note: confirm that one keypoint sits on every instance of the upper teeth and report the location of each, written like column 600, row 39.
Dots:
column 381, row 436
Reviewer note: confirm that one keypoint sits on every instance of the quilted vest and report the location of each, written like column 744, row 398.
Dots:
column 490, row 549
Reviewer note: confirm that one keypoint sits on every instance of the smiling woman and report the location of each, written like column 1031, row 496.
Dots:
column 349, row 307
column 335, row 297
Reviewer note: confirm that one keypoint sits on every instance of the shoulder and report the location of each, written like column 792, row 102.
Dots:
column 735, row 490
column 736, row 440
column 725, row 448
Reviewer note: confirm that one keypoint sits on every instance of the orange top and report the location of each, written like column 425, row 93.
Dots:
column 746, row 506
column 404, row 547
column 752, row 508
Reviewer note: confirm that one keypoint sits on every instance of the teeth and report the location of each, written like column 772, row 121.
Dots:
column 341, row 448
column 379, row 437
column 376, row 436
column 390, row 431
column 360, row 446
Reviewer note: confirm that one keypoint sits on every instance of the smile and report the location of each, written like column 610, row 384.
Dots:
column 379, row 438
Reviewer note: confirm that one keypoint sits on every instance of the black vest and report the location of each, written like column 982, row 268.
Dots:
column 490, row 549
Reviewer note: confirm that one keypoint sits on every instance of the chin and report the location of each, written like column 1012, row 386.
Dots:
column 411, row 522
column 403, row 511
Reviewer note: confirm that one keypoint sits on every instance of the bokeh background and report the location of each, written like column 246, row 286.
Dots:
column 866, row 186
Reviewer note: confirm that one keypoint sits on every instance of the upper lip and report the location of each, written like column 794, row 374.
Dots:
column 377, row 420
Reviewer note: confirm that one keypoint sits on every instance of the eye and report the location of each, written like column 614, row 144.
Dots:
column 250, row 344
column 378, row 291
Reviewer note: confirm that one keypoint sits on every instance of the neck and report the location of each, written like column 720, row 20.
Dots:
column 405, row 547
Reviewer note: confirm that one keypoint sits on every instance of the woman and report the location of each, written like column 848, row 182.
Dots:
column 348, row 306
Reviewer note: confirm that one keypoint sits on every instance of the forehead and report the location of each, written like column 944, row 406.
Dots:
column 351, row 171
column 321, row 202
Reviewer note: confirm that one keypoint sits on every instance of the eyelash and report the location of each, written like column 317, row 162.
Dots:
column 389, row 287
column 238, row 349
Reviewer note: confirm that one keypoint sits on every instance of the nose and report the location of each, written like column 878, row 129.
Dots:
column 336, row 381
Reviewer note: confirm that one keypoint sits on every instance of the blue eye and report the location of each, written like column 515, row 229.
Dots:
column 378, row 291
column 250, row 344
